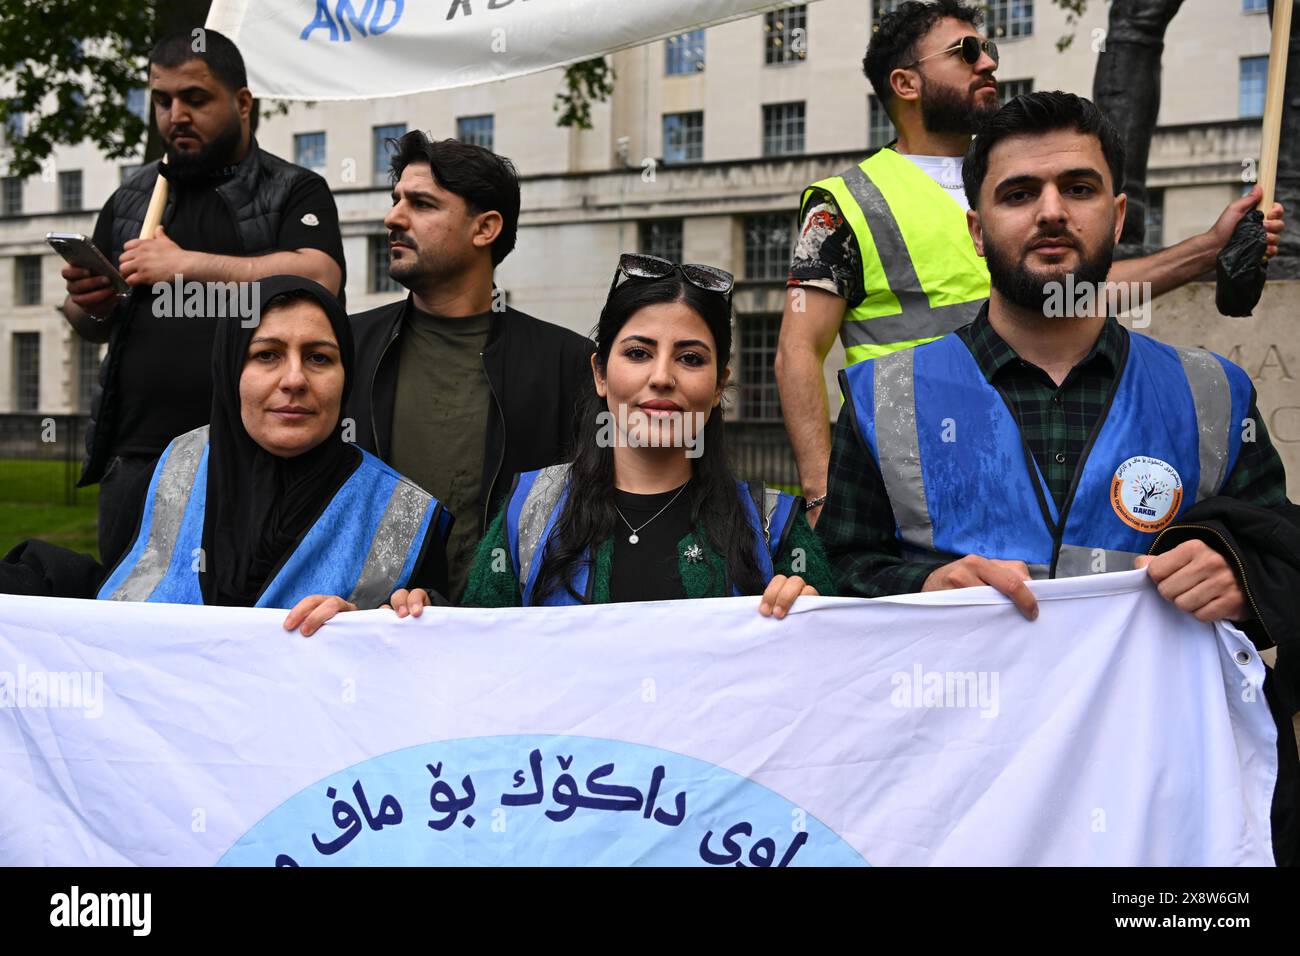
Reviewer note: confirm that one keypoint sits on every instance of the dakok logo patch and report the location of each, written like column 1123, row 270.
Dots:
column 1146, row 493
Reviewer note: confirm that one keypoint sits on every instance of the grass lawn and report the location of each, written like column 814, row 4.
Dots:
column 33, row 496
column 70, row 526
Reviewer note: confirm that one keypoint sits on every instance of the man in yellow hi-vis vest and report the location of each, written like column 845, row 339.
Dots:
column 883, row 256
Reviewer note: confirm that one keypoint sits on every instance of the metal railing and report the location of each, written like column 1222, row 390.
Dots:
column 760, row 451
column 40, row 458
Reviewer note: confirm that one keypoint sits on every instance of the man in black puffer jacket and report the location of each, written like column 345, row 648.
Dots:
column 234, row 214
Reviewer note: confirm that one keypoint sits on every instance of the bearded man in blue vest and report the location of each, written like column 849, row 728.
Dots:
column 1045, row 440
column 883, row 258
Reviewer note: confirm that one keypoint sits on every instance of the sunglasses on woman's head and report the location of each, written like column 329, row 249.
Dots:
column 638, row 265
column 969, row 48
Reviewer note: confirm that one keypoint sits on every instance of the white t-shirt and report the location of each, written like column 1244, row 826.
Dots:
column 946, row 171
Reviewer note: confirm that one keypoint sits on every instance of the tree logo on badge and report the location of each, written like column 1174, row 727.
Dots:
column 1146, row 493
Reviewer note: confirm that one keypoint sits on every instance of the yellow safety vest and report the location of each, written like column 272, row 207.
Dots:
column 922, row 276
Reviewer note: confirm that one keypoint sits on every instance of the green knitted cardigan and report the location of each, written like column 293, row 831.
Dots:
column 492, row 581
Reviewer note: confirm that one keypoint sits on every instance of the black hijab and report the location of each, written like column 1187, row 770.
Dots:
column 260, row 505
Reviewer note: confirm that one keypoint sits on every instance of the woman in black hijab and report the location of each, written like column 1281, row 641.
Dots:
column 268, row 505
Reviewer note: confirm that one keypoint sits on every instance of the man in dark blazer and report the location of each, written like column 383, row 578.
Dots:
column 454, row 389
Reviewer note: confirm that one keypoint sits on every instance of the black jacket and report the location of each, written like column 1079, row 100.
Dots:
column 256, row 195
column 537, row 372
column 1263, row 544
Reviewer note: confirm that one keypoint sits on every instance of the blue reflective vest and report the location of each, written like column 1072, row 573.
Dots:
column 537, row 500
column 961, row 479
column 364, row 546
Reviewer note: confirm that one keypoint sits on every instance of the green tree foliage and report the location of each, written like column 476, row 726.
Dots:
column 585, row 82
column 68, row 65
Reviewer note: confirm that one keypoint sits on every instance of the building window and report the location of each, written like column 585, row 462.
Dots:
column 663, row 238
column 1254, row 6
column 768, row 241
column 11, row 191
column 309, row 151
column 880, row 128
column 1008, row 90
column 759, row 398
column 785, row 35
column 477, row 131
column 70, row 191
column 381, row 150
column 87, row 372
column 137, row 102
column 1254, row 78
column 27, row 371
column 380, row 280
column 783, row 125
column 27, row 280
column 683, row 137
column 13, row 123
column 1155, row 218
column 1010, row 18
column 684, row 53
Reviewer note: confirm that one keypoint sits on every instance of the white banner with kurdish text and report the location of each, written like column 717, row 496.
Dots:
column 934, row 729
column 361, row 49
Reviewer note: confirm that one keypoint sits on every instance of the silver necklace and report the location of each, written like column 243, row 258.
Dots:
column 633, row 538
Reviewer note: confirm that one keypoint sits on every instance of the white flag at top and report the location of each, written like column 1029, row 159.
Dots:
column 361, row 49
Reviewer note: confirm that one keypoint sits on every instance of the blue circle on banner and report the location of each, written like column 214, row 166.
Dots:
column 532, row 800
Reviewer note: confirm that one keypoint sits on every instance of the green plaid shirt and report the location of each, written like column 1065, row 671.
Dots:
column 857, row 523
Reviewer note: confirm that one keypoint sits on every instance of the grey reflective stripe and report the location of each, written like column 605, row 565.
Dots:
column 1038, row 572
column 771, row 498
column 171, row 496
column 392, row 542
column 898, row 447
column 912, row 323
column 917, row 320
column 534, row 514
column 1213, row 400
column 1074, row 561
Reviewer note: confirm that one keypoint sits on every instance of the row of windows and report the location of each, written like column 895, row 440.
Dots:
column 70, row 195
column 309, row 148
column 27, row 371
column 783, row 133
column 785, row 40
column 784, row 123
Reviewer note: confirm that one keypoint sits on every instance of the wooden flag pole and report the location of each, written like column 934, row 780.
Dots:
column 226, row 17
column 1272, row 131
column 157, row 203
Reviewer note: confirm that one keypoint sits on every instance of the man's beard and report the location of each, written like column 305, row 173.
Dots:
column 414, row 270
column 219, row 152
column 1028, row 289
column 945, row 109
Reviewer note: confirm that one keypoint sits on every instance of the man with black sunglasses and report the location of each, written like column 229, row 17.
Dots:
column 883, row 256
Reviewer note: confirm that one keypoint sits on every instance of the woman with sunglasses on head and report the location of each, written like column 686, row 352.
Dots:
column 649, row 509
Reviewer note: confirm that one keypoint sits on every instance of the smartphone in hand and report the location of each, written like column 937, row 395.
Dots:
column 79, row 251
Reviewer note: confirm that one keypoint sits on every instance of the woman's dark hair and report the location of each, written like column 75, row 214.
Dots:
column 1042, row 112
column 588, row 516
column 487, row 182
column 897, row 34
